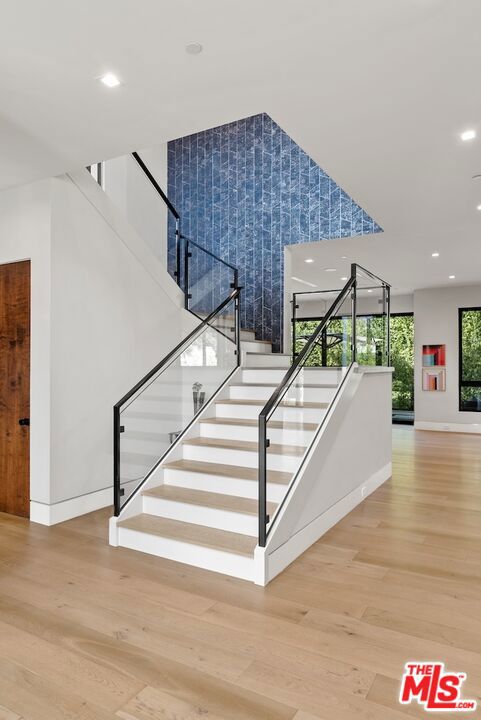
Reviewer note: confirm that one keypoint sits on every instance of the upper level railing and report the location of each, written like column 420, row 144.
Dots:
column 155, row 414
column 342, row 318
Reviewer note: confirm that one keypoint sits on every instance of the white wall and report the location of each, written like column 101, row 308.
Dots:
column 133, row 194
column 111, row 322
column 436, row 321
column 317, row 308
column 25, row 235
column 104, row 312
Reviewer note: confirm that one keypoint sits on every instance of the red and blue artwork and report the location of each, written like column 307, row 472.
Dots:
column 434, row 355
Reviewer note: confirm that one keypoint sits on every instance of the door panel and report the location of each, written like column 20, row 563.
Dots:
column 15, row 388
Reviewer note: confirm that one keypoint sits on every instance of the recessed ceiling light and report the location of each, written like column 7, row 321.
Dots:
column 344, row 278
column 343, row 257
column 369, row 290
column 468, row 135
column 110, row 80
column 435, row 254
column 308, row 260
column 193, row 48
column 451, row 277
column 330, row 269
column 303, row 282
column 479, row 207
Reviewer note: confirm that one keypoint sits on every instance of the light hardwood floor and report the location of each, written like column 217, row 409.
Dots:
column 90, row 631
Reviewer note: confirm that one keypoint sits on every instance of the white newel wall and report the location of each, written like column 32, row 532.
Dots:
column 349, row 460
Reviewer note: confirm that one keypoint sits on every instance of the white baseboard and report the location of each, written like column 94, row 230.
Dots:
column 302, row 540
column 68, row 509
column 448, row 427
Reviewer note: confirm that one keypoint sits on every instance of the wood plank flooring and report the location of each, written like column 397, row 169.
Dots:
column 93, row 632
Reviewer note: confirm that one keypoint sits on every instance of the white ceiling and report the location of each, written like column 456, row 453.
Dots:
column 376, row 92
column 404, row 261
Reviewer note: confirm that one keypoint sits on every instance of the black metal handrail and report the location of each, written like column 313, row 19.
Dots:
column 350, row 288
column 166, row 361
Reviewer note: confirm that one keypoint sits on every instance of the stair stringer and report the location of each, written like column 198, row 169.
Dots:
column 348, row 460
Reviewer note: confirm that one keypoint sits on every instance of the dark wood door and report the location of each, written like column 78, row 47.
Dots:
column 15, row 388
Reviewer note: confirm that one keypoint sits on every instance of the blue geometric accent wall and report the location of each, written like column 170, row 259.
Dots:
column 244, row 191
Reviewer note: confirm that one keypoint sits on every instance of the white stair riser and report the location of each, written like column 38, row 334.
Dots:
column 242, row 458
column 252, row 346
column 240, row 432
column 269, row 360
column 201, row 515
column 224, row 485
column 254, row 392
column 251, row 412
column 246, row 335
column 155, row 424
column 146, row 447
column 208, row 558
column 270, row 376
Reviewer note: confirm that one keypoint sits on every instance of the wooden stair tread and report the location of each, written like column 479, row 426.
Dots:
column 231, row 503
column 332, row 386
column 278, row 477
column 269, row 354
column 284, row 403
column 244, row 445
column 277, row 424
column 191, row 533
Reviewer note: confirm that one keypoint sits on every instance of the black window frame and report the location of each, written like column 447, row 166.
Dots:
column 464, row 383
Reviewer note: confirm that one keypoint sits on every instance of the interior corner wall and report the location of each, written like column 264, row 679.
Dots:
column 111, row 322
column 25, row 235
column 436, row 322
column 244, row 191
column 132, row 193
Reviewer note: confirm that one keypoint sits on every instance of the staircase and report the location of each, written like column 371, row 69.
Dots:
column 228, row 457
column 202, row 508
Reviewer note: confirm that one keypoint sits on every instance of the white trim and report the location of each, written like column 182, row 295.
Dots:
column 68, row 509
column 472, row 428
column 302, row 540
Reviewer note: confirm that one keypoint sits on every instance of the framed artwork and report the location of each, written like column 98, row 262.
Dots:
column 434, row 379
column 434, row 355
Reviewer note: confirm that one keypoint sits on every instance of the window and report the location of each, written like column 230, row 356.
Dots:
column 470, row 359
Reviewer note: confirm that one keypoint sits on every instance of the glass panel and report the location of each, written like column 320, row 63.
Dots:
column 126, row 184
column 471, row 345
column 371, row 321
column 209, row 280
column 167, row 404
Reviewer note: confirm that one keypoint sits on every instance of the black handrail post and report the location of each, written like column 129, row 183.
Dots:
column 237, row 325
column 294, row 307
column 354, row 313
column 116, row 460
column 187, row 255
column 387, row 289
column 262, row 481
column 178, row 256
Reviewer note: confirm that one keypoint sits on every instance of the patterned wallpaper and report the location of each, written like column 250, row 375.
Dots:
column 244, row 191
